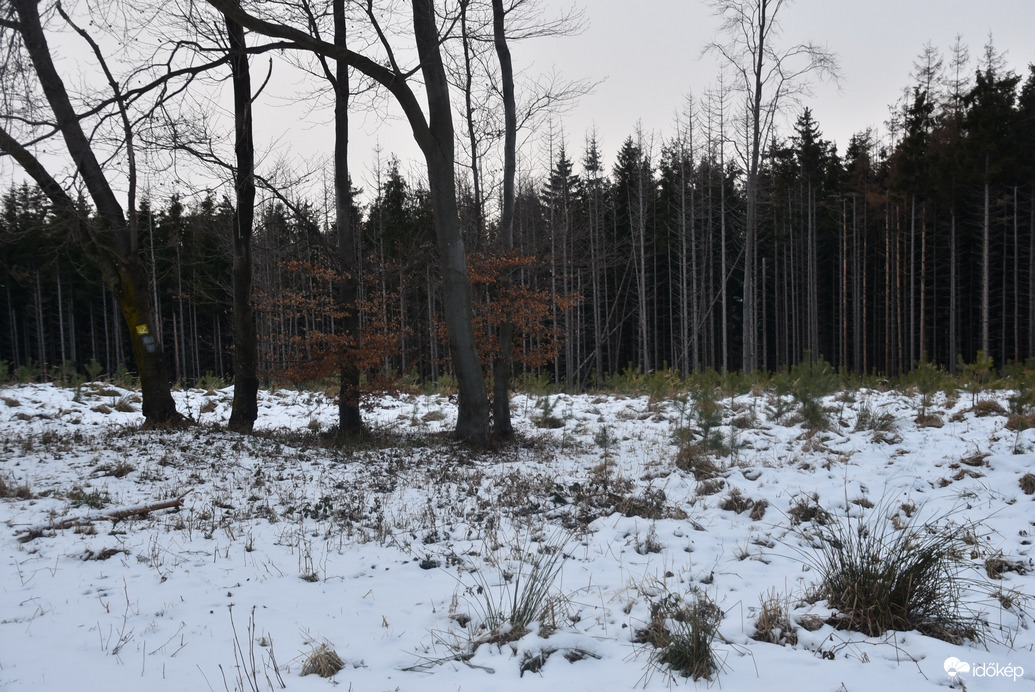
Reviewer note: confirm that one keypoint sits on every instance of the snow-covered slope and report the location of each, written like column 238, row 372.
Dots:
column 383, row 551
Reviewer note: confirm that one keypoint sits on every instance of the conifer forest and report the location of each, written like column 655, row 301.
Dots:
column 739, row 239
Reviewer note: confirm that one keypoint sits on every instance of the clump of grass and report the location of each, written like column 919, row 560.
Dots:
column 773, row 623
column 696, row 458
column 710, row 486
column 682, row 632
column 758, row 509
column 987, row 407
column 807, row 508
column 322, row 660
column 116, row 469
column 929, row 420
column 872, row 420
column 1027, row 483
column 735, row 501
column 125, row 404
column 882, row 575
column 80, row 496
column 19, row 491
column 524, row 593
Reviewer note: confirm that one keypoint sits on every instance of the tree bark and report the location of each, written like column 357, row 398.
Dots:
column 246, row 380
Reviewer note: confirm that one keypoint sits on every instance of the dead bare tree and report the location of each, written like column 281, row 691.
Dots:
column 770, row 78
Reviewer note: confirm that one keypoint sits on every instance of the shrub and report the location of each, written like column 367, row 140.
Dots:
column 93, row 369
column 808, row 382
column 904, row 575
column 976, row 376
column 547, row 417
column 24, row 374
column 927, row 377
column 629, row 381
column 209, row 382
column 682, row 633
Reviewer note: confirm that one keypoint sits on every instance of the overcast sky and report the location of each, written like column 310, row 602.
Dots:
column 647, row 57
column 648, row 54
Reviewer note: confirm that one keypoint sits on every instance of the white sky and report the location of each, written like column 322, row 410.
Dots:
column 648, row 52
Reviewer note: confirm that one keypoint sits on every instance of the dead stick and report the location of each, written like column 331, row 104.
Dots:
column 114, row 515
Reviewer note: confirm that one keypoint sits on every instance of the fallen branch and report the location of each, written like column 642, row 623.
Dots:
column 114, row 515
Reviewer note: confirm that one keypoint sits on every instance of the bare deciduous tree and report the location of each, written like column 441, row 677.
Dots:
column 110, row 237
column 770, row 77
column 434, row 134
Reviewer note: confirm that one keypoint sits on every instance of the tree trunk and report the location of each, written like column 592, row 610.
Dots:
column 472, row 423
column 350, row 420
column 113, row 249
column 246, row 381
column 503, row 367
column 985, row 268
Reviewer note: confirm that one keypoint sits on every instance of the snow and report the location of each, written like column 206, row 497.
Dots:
column 379, row 551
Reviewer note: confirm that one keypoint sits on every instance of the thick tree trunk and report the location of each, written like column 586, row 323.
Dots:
column 112, row 248
column 246, row 380
column 130, row 290
column 350, row 420
column 472, row 423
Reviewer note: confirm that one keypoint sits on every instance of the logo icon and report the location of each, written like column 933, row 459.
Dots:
column 954, row 666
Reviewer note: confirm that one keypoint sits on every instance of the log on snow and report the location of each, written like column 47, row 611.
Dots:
column 114, row 515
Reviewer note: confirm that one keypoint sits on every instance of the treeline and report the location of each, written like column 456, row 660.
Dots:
column 915, row 244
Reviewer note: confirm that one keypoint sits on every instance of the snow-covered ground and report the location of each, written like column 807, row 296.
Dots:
column 389, row 552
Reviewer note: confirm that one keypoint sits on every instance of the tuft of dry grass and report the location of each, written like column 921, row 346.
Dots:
column 710, row 486
column 987, row 407
column 807, row 509
column 323, row 661
column 1027, row 483
column 697, row 459
column 930, row 420
column 682, row 632
column 1019, row 422
column 735, row 501
column 773, row 624
column 125, row 404
column 19, row 491
column 116, row 469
